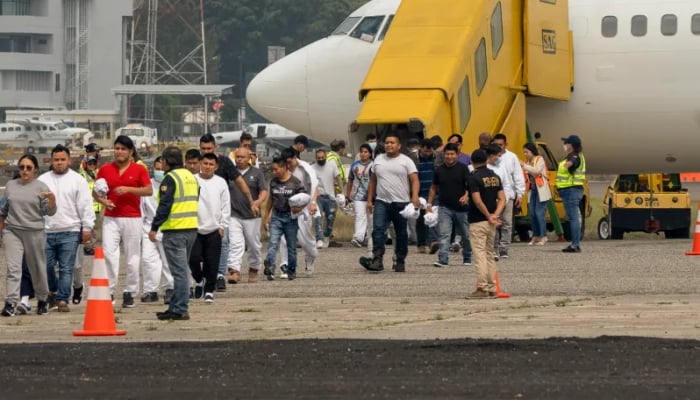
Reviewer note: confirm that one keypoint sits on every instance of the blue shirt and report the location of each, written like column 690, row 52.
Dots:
column 426, row 170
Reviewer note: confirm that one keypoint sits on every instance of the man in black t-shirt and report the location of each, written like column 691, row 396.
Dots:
column 486, row 206
column 451, row 182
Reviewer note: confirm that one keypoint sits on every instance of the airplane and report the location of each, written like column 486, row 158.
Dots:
column 272, row 135
column 39, row 133
column 634, row 100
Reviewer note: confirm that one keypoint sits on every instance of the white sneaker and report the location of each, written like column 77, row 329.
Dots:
column 283, row 271
column 326, row 242
column 356, row 243
column 309, row 268
column 209, row 298
column 319, row 244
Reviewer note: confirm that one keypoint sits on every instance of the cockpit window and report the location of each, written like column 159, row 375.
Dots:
column 367, row 28
column 346, row 26
column 386, row 27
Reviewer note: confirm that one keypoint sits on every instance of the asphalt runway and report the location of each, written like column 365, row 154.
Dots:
column 620, row 320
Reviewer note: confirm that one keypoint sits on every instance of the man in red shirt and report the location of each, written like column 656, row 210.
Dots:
column 126, row 181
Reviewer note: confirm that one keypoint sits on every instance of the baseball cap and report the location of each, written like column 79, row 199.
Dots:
column 91, row 159
column 572, row 140
column 89, row 148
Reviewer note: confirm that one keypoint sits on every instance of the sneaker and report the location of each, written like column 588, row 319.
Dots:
column 23, row 309
column 356, row 243
column 400, row 266
column 128, row 300
column 493, row 295
column 233, row 276
column 309, row 267
column 199, row 290
column 269, row 271
column 283, row 271
column 168, row 295
column 478, row 294
column 503, row 253
column 439, row 265
column 220, row 284
column 191, row 293
column 252, row 275
column 63, row 306
column 376, row 265
column 571, row 249
column 8, row 311
column 326, row 242
column 149, row 297
column 422, row 250
column 434, row 247
column 77, row 295
column 495, row 256
column 171, row 316
column 291, row 275
column 209, row 297
column 51, row 300
column 319, row 244
column 467, row 262
column 42, row 308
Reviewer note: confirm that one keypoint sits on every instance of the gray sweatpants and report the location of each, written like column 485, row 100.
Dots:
column 31, row 244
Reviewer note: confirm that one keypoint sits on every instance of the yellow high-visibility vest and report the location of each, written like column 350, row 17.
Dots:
column 183, row 213
column 566, row 180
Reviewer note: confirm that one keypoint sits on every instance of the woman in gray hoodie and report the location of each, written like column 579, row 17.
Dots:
column 27, row 201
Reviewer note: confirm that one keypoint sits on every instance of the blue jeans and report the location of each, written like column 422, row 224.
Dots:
column 177, row 246
column 283, row 224
column 572, row 198
column 223, row 257
column 61, row 248
column 385, row 213
column 448, row 219
column 424, row 234
column 327, row 206
column 536, row 210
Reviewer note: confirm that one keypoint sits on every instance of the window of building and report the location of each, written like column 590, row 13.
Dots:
column 15, row 7
column 496, row 30
column 33, row 81
column 15, row 44
column 609, row 26
column 695, row 24
column 465, row 105
column 57, row 82
column 481, row 66
column 669, row 25
column 386, row 27
column 639, row 25
column 367, row 28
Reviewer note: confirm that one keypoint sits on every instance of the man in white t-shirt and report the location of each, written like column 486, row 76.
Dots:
column 513, row 180
column 393, row 185
column 329, row 178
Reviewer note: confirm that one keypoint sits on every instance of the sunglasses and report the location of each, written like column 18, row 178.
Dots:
column 26, row 167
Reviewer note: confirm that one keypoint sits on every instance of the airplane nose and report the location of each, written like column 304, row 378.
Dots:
column 279, row 92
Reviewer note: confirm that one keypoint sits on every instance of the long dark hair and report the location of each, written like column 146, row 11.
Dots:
column 532, row 148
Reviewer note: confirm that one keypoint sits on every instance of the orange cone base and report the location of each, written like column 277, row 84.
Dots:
column 99, row 333
column 99, row 320
column 501, row 295
column 692, row 253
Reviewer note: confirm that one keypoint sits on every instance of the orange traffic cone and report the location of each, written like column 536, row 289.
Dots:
column 99, row 315
column 696, row 237
column 499, row 294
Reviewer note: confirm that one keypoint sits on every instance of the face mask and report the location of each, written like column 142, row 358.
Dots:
column 321, row 162
column 158, row 175
column 372, row 145
column 566, row 148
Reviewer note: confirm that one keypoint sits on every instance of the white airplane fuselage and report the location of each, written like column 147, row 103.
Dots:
column 635, row 99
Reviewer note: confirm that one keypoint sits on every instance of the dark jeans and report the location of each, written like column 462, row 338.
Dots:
column 178, row 247
column 283, row 224
column 26, row 287
column 383, row 215
column 204, row 259
column 424, row 234
column 571, row 198
column 328, row 208
column 61, row 248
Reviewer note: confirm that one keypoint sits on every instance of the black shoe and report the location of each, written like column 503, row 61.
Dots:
column 400, row 266
column 269, row 271
column 8, row 310
column 168, row 295
column 51, row 300
column 220, row 284
column 128, row 300
column 572, row 249
column 89, row 251
column 434, row 247
column 42, row 308
column 365, row 261
column 503, row 253
column 291, row 275
column 376, row 266
column 199, row 290
column 150, row 297
column 77, row 295
column 191, row 293
column 171, row 316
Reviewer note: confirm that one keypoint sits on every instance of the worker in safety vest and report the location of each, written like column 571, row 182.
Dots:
column 176, row 218
column 571, row 176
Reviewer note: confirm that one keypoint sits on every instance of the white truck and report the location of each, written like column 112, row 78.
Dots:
column 145, row 139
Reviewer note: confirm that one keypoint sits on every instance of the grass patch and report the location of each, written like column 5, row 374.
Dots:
column 248, row 310
column 563, row 302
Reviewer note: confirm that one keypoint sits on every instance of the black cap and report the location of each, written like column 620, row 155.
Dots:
column 89, row 148
column 91, row 159
column 479, row 156
column 573, row 140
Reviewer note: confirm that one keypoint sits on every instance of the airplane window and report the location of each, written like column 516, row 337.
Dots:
column 695, row 24
column 3, row 130
column 609, row 26
column 669, row 25
column 465, row 106
column 386, row 28
column 639, row 25
column 480, row 66
column 346, row 26
column 496, row 30
column 367, row 28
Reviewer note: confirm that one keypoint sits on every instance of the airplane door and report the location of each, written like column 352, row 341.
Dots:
column 548, row 49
